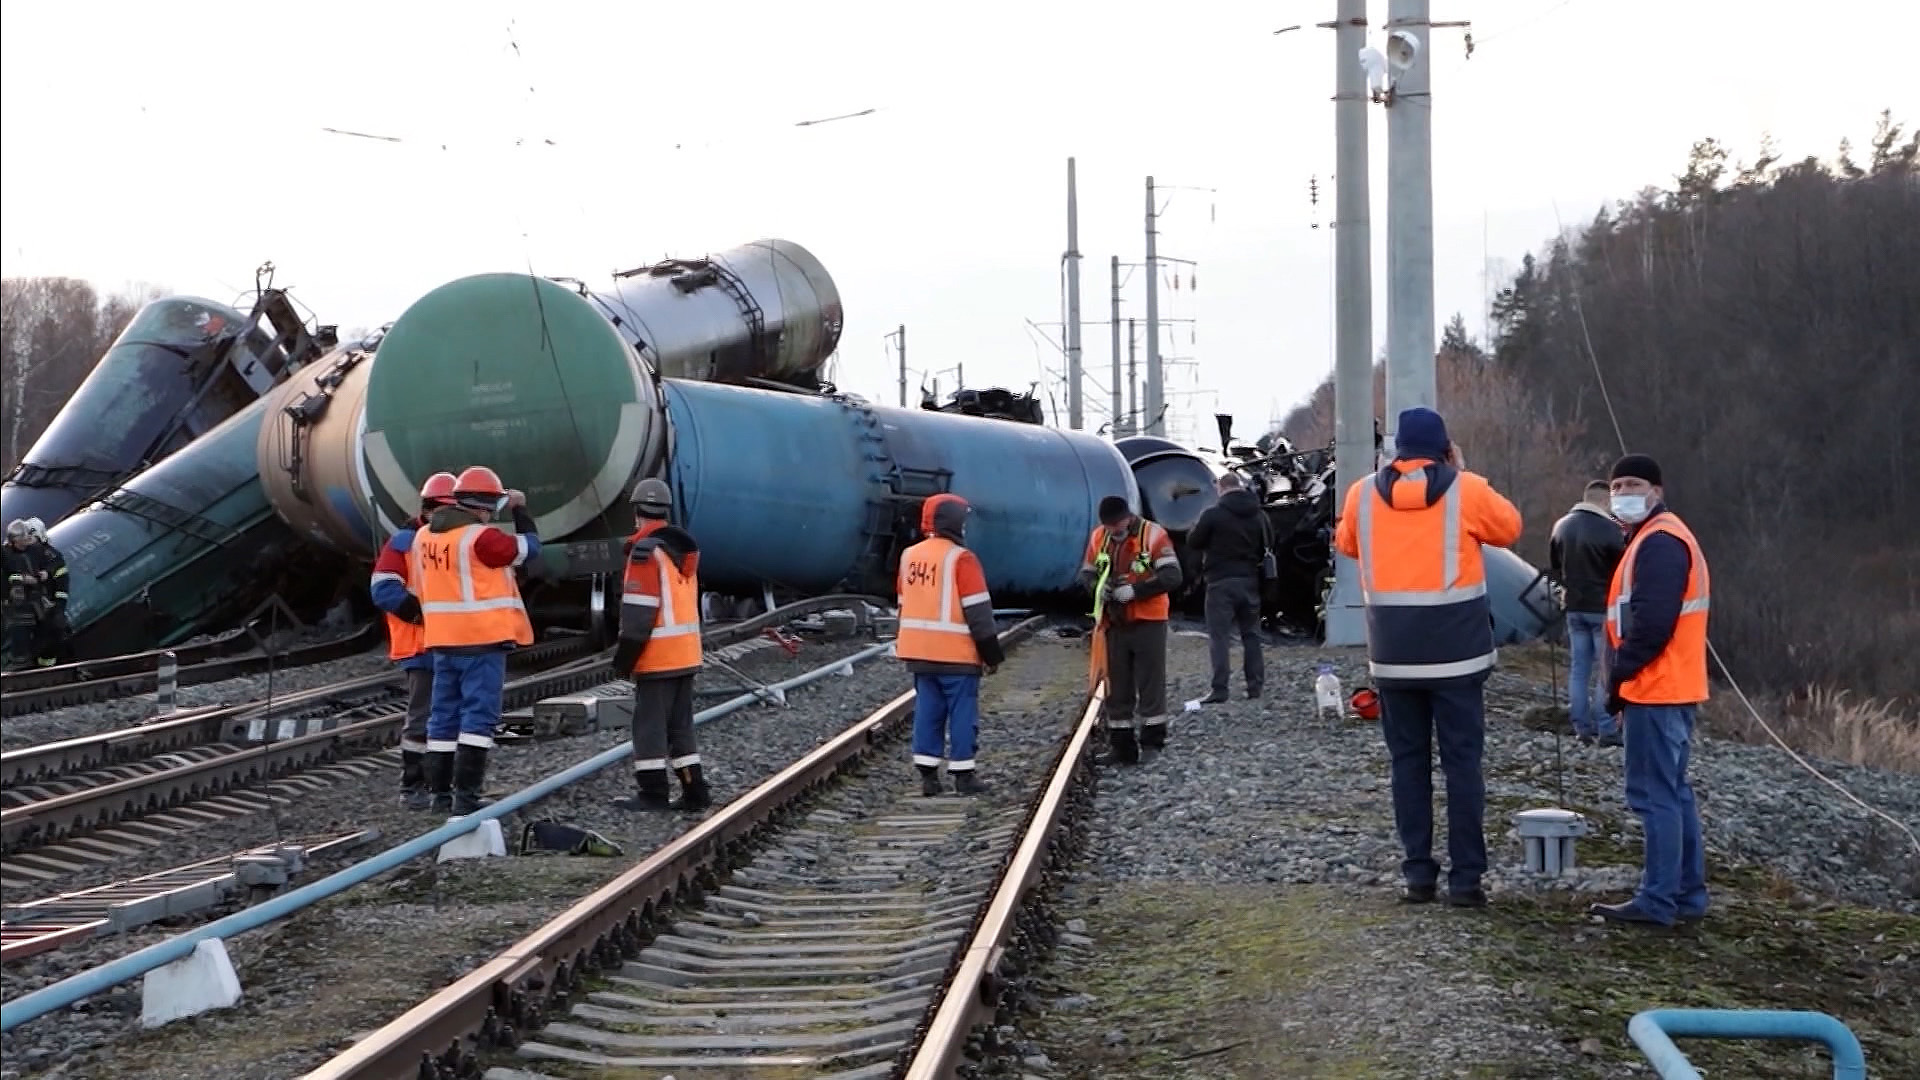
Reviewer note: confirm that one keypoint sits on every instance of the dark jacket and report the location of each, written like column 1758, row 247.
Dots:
column 25, row 592
column 1585, row 547
column 1660, row 571
column 1233, row 535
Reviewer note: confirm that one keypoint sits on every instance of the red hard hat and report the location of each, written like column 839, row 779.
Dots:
column 478, row 480
column 438, row 489
column 1366, row 704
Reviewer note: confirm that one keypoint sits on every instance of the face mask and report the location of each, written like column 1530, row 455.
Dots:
column 1629, row 508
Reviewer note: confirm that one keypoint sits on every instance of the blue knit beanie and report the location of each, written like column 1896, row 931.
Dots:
column 1422, row 434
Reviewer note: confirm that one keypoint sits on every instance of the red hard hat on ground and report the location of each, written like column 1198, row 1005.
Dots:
column 1366, row 704
column 438, row 489
column 478, row 480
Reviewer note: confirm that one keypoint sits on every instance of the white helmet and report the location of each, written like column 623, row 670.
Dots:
column 37, row 529
column 17, row 529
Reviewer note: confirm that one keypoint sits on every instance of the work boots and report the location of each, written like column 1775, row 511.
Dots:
column 966, row 783
column 436, row 768
column 469, row 772
column 1123, row 748
column 694, row 796
column 1153, row 736
column 650, row 792
column 930, row 781
column 413, row 780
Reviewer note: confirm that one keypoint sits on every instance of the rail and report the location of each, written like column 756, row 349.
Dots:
column 509, row 992
column 972, row 992
column 1653, row 1032
column 95, row 980
column 93, row 681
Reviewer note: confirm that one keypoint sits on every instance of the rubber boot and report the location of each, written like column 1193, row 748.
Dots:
column 650, row 792
column 966, row 783
column 413, row 780
column 694, row 796
column 930, row 780
column 469, row 772
column 437, row 768
column 1123, row 748
column 1153, row 736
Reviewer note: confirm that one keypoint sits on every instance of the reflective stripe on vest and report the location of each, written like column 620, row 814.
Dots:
column 933, row 619
column 1678, row 676
column 405, row 640
column 466, row 604
column 1136, row 570
column 1441, row 632
column 674, row 644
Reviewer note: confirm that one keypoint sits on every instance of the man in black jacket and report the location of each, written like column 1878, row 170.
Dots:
column 1586, row 546
column 1233, row 537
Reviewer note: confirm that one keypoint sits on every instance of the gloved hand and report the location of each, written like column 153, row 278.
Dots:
column 1123, row 594
column 1615, row 706
column 991, row 668
column 1559, row 594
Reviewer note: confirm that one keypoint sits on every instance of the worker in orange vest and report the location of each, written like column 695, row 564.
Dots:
column 1130, row 568
column 406, row 638
column 464, row 565
column 948, row 640
column 1657, row 623
column 1416, row 527
column 660, row 650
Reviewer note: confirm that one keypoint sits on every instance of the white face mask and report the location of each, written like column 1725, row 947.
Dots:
column 1629, row 508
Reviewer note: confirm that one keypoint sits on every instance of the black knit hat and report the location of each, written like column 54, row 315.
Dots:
column 1112, row 509
column 1638, row 466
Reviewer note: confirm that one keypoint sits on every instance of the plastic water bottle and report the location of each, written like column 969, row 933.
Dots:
column 1326, row 690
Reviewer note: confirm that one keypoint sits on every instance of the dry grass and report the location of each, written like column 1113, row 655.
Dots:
column 1817, row 721
column 1827, row 723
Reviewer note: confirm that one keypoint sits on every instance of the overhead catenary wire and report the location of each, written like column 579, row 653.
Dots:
column 1726, row 672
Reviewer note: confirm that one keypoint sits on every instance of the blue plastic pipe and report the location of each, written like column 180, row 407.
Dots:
column 1653, row 1032
column 95, row 980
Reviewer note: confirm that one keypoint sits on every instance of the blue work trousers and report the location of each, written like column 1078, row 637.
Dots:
column 466, row 699
column 1673, row 881
column 1587, row 674
column 945, row 707
column 1413, row 716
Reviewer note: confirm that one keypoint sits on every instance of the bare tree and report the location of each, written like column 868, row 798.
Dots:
column 52, row 332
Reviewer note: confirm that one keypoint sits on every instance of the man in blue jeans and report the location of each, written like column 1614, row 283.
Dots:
column 1583, row 552
column 1657, row 622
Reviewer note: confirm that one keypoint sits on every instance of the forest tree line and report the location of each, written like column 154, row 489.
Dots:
column 52, row 331
column 1754, row 327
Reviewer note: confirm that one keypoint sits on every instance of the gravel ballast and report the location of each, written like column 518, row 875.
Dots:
column 351, row 963
column 1236, row 914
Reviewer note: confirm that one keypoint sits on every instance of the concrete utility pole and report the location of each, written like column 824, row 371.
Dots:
column 1114, row 392
column 1075, row 420
column 1156, row 388
column 1410, row 346
column 1133, row 382
column 1353, row 322
column 900, row 346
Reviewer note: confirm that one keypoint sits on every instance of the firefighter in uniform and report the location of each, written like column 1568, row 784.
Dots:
column 406, row 638
column 1130, row 568
column 462, row 566
column 25, row 599
column 660, row 647
column 1416, row 527
column 1657, row 623
column 54, row 642
column 948, row 640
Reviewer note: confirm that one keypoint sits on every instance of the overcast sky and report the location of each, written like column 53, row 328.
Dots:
column 182, row 144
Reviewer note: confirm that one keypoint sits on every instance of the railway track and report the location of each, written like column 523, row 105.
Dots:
column 829, row 923
column 91, row 681
column 68, row 804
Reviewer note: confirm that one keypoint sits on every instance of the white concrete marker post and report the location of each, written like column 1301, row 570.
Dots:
column 197, row 982
column 487, row 841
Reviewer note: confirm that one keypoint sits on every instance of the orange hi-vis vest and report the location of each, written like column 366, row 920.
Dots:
column 1422, row 577
column 1678, row 676
column 405, row 640
column 465, row 602
column 674, row 645
column 933, row 619
column 1133, row 556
